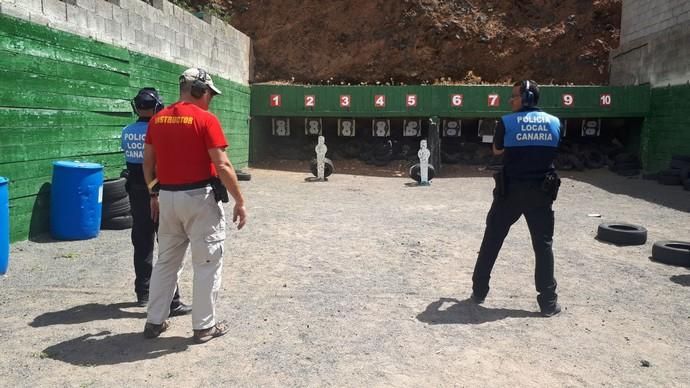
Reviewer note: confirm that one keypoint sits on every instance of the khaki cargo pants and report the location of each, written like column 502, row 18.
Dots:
column 190, row 217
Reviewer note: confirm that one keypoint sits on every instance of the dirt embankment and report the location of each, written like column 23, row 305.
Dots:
column 427, row 41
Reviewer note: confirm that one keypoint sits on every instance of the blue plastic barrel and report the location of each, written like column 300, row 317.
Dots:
column 76, row 197
column 4, row 226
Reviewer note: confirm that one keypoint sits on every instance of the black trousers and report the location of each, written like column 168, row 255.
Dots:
column 143, row 238
column 520, row 199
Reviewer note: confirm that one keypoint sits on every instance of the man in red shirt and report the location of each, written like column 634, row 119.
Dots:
column 185, row 150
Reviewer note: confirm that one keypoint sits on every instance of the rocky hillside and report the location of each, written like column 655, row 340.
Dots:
column 426, row 41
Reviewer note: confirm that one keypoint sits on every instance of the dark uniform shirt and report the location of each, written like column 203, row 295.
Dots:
column 530, row 141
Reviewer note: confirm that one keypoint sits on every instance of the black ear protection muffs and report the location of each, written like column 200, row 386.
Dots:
column 529, row 99
column 199, row 86
column 139, row 101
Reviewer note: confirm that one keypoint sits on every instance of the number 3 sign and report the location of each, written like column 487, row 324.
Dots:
column 345, row 101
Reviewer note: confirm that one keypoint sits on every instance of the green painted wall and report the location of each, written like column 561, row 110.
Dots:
column 65, row 97
column 628, row 101
column 666, row 130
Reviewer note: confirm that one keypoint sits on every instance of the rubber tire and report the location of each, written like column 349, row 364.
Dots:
column 686, row 185
column 578, row 164
column 328, row 168
column 669, row 252
column 622, row 234
column 679, row 164
column 685, row 175
column 415, row 172
column 669, row 180
column 594, row 159
column 114, row 189
column 625, row 166
column 118, row 208
column 628, row 173
column 625, row 157
column 243, row 176
column 117, row 223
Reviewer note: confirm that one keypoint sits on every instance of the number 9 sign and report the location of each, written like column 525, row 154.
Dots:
column 568, row 100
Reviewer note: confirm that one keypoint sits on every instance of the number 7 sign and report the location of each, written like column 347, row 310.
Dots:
column 494, row 100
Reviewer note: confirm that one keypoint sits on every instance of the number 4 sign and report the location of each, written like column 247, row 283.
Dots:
column 605, row 100
column 276, row 100
column 494, row 100
column 380, row 101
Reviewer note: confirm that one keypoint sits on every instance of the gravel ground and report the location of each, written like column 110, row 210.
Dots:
column 363, row 281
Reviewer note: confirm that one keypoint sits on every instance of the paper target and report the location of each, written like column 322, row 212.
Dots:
column 452, row 128
column 346, row 127
column 591, row 128
column 313, row 127
column 380, row 128
column 281, row 127
column 412, row 128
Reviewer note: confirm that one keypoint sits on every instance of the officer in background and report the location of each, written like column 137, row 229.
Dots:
column 527, row 185
column 146, row 103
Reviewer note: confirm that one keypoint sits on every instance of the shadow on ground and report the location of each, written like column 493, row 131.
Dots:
column 683, row 280
column 673, row 197
column 106, row 349
column 467, row 312
column 87, row 313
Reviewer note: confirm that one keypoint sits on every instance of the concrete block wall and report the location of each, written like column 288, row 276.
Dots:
column 163, row 30
column 654, row 46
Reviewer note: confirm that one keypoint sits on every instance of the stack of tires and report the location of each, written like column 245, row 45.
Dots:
column 117, row 214
column 625, row 164
column 678, row 172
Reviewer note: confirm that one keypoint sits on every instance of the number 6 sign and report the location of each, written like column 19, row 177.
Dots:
column 345, row 101
column 568, row 100
column 456, row 100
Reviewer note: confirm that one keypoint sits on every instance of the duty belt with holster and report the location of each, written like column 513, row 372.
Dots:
column 549, row 185
column 220, row 193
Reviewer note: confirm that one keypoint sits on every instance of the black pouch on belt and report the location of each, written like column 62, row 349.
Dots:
column 551, row 184
column 500, row 180
column 219, row 191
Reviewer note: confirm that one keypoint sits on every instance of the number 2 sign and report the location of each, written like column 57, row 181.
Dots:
column 309, row 101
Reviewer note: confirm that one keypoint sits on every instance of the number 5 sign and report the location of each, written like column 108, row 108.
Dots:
column 494, row 100
column 411, row 100
column 276, row 100
column 345, row 101
column 456, row 100
column 568, row 100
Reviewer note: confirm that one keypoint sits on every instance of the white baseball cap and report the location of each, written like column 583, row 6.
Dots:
column 198, row 74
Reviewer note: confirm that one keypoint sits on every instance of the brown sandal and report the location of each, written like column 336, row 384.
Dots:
column 205, row 335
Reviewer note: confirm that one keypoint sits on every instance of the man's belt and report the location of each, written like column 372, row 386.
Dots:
column 186, row 186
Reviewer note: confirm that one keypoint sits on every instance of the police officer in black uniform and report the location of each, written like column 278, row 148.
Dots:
column 527, row 185
column 146, row 103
